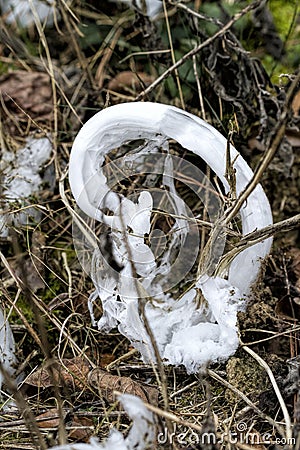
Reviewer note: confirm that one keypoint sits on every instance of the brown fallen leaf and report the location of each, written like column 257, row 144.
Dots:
column 81, row 428
column 49, row 419
column 296, row 104
column 76, row 374
column 130, row 80
column 73, row 374
column 106, row 358
column 27, row 96
column 106, row 383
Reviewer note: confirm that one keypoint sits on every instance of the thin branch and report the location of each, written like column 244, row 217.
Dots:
column 173, row 55
column 197, row 49
column 257, row 236
column 173, row 418
column 286, row 415
column 274, row 335
column 270, row 230
column 240, row 394
column 51, row 72
column 28, row 416
column 267, row 158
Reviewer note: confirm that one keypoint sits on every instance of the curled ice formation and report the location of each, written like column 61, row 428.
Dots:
column 131, row 259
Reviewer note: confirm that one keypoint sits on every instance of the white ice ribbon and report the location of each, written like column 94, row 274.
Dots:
column 184, row 333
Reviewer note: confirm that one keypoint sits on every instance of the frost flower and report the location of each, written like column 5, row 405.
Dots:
column 200, row 325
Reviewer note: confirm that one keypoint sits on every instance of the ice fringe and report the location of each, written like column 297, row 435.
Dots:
column 141, row 435
column 20, row 171
column 152, row 6
column 7, row 347
column 184, row 333
column 21, row 179
column 21, row 11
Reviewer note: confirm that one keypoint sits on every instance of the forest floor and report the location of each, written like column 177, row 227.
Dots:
column 52, row 80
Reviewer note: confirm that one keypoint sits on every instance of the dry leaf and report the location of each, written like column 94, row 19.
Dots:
column 106, row 358
column 73, row 374
column 49, row 419
column 106, row 384
column 82, row 429
column 296, row 104
column 130, row 80
column 27, row 93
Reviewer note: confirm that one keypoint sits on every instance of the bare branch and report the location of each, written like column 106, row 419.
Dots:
column 197, row 49
column 267, row 158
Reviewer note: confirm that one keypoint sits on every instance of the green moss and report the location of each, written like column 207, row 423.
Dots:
column 3, row 68
column 246, row 376
column 56, row 286
column 283, row 13
column 26, row 309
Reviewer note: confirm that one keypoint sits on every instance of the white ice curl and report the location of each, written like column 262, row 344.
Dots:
column 184, row 334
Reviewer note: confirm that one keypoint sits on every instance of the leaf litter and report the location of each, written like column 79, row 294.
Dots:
column 236, row 89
